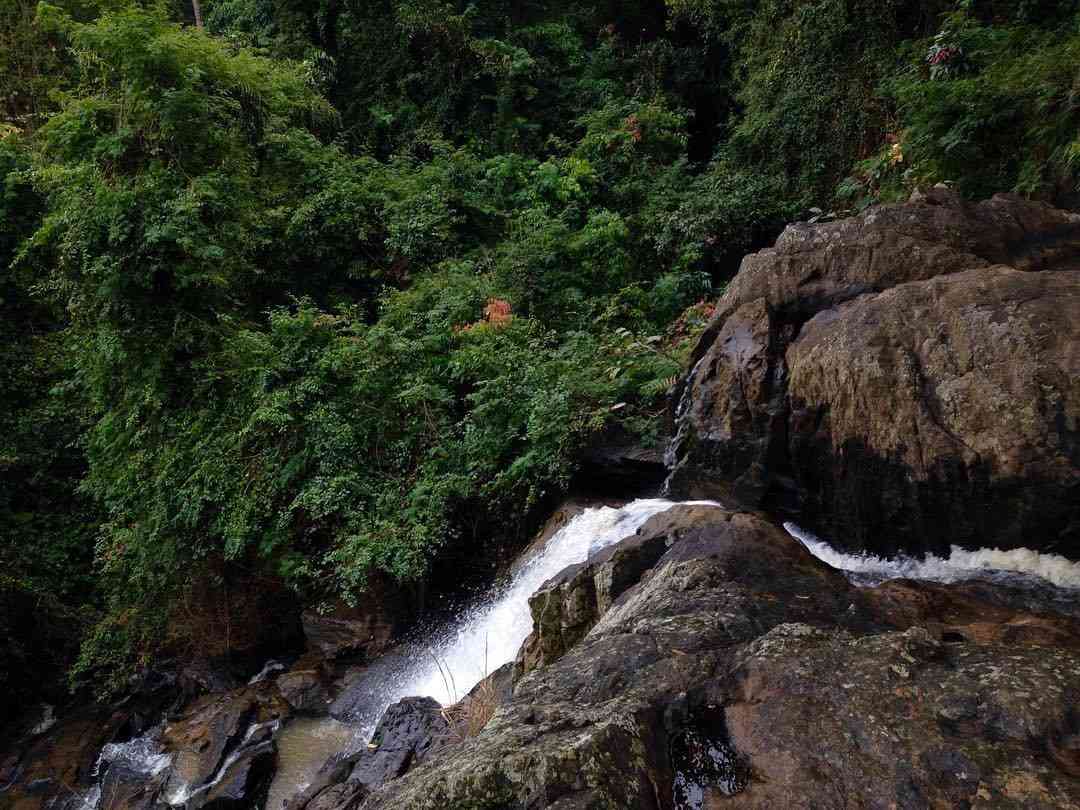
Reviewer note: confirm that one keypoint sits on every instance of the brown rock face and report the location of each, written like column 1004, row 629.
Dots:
column 204, row 742
column 740, row 672
column 903, row 380
column 367, row 628
column 709, row 662
column 58, row 768
column 567, row 606
column 900, row 719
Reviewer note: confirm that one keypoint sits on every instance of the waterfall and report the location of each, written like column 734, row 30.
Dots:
column 671, row 454
column 1016, row 566
column 447, row 664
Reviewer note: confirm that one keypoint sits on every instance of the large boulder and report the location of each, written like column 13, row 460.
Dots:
column 739, row 671
column 409, row 732
column 908, row 379
column 900, row 719
column 222, row 746
column 569, row 604
column 304, row 684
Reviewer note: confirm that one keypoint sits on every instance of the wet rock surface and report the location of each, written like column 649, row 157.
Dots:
column 567, row 606
column 304, row 685
column 409, row 732
column 739, row 671
column 156, row 748
column 708, row 660
column 908, row 379
column 59, row 768
column 219, row 744
column 905, row 379
column 365, row 629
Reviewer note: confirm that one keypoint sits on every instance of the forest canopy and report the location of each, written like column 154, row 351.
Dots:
column 315, row 291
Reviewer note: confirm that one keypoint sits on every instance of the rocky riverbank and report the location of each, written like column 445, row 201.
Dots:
column 737, row 670
column 709, row 659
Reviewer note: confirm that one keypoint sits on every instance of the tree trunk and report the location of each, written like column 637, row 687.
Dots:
column 197, row 8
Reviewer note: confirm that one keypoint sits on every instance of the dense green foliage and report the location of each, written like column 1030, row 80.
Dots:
column 46, row 527
column 328, row 288
column 988, row 103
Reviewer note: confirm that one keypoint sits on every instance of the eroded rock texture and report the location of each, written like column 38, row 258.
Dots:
column 739, row 671
column 907, row 379
column 706, row 661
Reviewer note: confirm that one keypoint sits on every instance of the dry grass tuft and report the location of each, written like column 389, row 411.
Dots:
column 469, row 715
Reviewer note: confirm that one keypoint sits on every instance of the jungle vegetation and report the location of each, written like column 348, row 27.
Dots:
column 315, row 290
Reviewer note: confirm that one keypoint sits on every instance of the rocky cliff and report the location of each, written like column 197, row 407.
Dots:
column 739, row 671
column 905, row 379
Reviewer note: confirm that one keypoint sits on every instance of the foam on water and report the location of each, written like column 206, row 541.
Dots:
column 182, row 792
column 447, row 664
column 486, row 636
column 271, row 666
column 141, row 755
column 489, row 635
column 959, row 565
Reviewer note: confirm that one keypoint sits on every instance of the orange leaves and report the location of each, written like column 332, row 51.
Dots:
column 497, row 314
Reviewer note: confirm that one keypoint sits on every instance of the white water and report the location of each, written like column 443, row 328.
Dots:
column 270, row 667
column 182, row 792
column 671, row 453
column 142, row 755
column 959, row 565
column 489, row 634
column 447, row 665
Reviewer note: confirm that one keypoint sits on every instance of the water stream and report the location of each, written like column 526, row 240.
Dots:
column 447, row 663
column 303, row 746
column 1018, row 566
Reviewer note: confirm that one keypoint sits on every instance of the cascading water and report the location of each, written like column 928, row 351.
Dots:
column 682, row 426
column 1017, row 566
column 445, row 664
column 448, row 664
